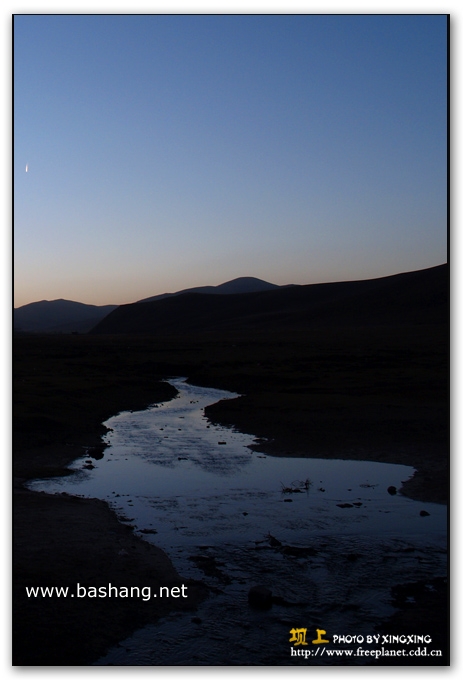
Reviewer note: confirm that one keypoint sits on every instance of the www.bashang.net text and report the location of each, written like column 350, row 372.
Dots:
column 144, row 593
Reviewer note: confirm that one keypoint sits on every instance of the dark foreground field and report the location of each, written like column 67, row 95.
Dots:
column 377, row 393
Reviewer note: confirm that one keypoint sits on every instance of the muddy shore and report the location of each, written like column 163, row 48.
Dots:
column 384, row 397
column 65, row 541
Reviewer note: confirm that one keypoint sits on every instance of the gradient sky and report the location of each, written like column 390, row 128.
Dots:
column 165, row 152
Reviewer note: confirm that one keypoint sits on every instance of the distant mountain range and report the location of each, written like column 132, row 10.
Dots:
column 58, row 316
column 413, row 298
column 66, row 316
column 249, row 304
column 245, row 284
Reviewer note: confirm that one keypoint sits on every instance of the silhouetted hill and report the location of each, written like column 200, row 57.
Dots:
column 244, row 284
column 58, row 316
column 412, row 298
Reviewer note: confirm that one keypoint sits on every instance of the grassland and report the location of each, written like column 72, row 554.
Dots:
column 367, row 393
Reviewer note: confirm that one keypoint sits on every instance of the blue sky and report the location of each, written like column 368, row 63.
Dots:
column 165, row 152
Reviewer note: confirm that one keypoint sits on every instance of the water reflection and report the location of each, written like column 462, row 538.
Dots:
column 324, row 535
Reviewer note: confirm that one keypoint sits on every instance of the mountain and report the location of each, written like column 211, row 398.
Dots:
column 66, row 316
column 412, row 298
column 58, row 316
column 244, row 284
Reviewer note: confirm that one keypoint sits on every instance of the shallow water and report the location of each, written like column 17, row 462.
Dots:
column 205, row 495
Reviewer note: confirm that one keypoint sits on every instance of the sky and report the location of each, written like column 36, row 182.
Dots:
column 154, row 153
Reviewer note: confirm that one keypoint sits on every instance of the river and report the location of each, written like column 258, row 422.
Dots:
column 326, row 536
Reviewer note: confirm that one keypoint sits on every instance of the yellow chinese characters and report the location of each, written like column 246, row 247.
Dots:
column 298, row 636
column 320, row 640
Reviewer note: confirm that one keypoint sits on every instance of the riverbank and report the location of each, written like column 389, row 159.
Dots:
column 62, row 541
column 376, row 394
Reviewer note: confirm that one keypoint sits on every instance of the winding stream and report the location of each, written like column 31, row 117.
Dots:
column 325, row 536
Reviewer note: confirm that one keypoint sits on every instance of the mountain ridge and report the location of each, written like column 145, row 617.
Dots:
column 242, row 284
column 58, row 316
column 418, row 297
column 67, row 316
